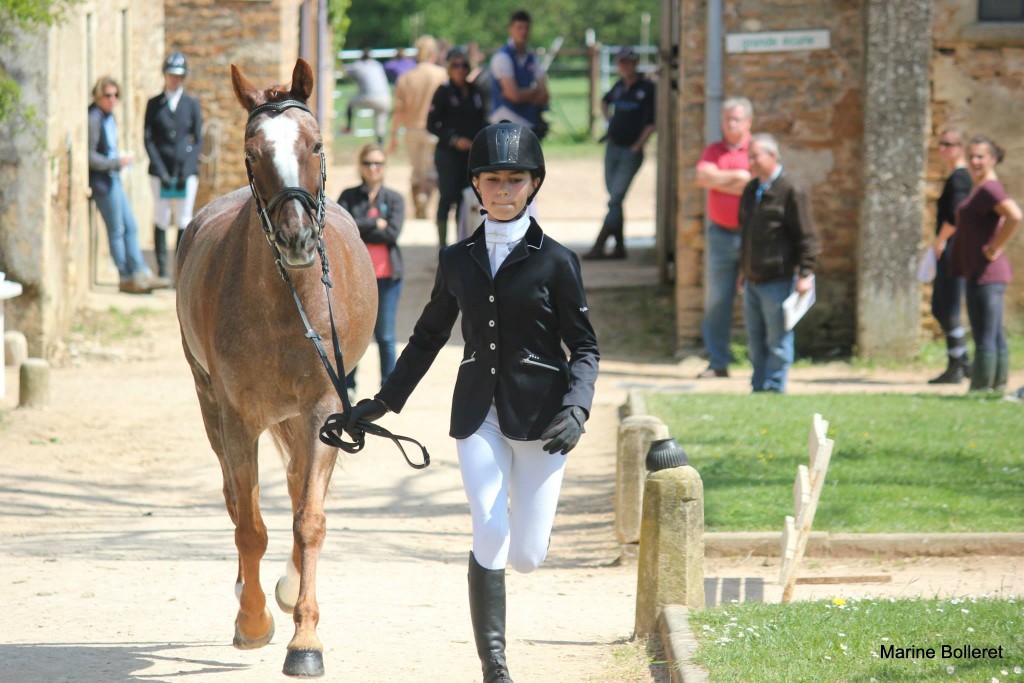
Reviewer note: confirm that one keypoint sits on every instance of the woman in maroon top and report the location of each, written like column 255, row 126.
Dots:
column 985, row 221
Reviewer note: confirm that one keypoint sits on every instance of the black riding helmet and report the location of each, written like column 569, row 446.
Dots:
column 176, row 64
column 506, row 146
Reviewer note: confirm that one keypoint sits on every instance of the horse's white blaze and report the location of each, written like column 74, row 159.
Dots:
column 283, row 133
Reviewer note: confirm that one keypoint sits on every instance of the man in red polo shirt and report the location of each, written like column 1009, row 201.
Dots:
column 723, row 170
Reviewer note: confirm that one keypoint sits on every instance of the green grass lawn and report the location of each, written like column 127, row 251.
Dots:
column 901, row 463
column 833, row 641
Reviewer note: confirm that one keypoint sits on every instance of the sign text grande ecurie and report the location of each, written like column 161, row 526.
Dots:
column 778, row 41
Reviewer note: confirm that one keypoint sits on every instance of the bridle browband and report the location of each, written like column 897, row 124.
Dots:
column 332, row 431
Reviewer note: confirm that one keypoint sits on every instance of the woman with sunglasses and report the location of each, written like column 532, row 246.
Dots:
column 379, row 213
column 456, row 116
column 948, row 289
column 105, row 165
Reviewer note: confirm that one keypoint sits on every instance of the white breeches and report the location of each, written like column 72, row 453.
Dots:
column 181, row 208
column 512, row 488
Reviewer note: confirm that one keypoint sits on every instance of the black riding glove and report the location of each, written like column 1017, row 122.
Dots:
column 166, row 181
column 565, row 430
column 367, row 410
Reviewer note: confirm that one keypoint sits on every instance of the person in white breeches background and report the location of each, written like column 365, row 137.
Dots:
column 519, row 404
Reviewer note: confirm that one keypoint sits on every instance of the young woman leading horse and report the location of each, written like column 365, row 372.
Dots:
column 244, row 341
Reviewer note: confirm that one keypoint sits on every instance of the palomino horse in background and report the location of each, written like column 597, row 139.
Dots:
column 244, row 340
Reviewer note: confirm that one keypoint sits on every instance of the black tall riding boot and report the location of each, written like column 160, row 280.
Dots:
column 1002, row 372
column 983, row 371
column 954, row 372
column 160, row 249
column 487, row 610
column 597, row 251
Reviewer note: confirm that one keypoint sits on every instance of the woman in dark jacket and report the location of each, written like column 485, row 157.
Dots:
column 379, row 213
column 456, row 116
column 948, row 289
column 519, row 404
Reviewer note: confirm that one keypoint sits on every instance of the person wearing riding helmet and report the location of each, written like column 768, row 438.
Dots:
column 519, row 404
column 173, row 132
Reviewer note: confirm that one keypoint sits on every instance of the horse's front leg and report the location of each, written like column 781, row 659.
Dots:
column 254, row 624
column 305, row 653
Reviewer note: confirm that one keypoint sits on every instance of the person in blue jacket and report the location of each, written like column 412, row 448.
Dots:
column 519, row 404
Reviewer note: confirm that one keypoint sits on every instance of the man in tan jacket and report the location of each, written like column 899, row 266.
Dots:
column 414, row 91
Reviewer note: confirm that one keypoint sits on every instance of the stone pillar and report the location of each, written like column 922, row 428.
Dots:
column 896, row 100
column 35, row 383
column 635, row 436
column 671, row 569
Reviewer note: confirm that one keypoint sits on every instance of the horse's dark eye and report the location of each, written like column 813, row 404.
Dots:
column 250, row 157
column 318, row 147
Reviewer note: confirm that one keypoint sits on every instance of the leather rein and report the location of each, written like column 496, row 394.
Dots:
column 332, row 432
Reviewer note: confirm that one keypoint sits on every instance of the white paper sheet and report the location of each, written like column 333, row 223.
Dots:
column 926, row 269
column 795, row 305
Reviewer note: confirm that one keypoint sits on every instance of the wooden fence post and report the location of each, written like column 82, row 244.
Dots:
column 806, row 493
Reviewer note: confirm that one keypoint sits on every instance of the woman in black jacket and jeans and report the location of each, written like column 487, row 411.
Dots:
column 519, row 404
column 379, row 213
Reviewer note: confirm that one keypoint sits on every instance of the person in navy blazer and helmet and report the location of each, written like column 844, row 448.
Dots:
column 519, row 404
column 174, row 137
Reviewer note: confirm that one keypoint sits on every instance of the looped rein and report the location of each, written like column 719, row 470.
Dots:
column 333, row 430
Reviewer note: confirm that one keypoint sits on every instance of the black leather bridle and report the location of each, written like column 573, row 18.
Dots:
column 332, row 432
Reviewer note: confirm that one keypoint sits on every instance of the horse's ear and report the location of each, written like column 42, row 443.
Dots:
column 302, row 80
column 246, row 94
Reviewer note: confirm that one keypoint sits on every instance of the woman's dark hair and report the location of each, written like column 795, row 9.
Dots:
column 996, row 150
column 519, row 15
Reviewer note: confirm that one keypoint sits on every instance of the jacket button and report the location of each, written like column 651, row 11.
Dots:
column 493, row 371
column 173, row 134
column 491, row 323
column 493, row 346
column 491, row 298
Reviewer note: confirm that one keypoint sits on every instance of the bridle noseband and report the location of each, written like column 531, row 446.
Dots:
column 315, row 207
column 331, row 433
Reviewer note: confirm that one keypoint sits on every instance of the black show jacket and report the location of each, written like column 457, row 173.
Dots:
column 513, row 325
column 173, row 138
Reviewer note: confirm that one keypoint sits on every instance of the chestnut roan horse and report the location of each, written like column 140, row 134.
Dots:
column 244, row 340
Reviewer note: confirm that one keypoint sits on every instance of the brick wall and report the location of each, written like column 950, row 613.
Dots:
column 812, row 102
column 264, row 46
column 978, row 84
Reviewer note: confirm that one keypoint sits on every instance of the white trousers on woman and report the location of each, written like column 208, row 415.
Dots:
column 512, row 488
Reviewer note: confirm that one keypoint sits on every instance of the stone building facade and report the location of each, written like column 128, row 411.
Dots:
column 857, row 122
column 44, row 175
column 45, row 212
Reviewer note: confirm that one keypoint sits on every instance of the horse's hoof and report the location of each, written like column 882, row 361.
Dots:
column 243, row 642
column 304, row 663
column 285, row 607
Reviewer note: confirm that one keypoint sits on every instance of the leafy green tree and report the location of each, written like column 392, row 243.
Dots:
column 18, row 17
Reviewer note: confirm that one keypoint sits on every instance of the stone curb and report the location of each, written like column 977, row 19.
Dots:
column 679, row 643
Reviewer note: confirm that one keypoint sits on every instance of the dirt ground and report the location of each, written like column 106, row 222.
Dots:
column 117, row 561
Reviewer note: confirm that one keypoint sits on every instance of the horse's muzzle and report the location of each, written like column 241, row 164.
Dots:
column 298, row 249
